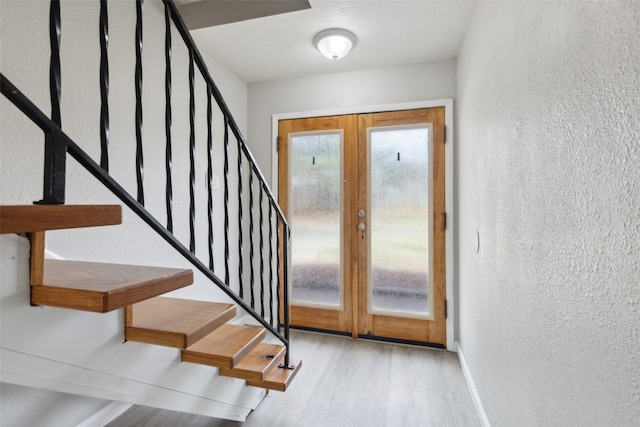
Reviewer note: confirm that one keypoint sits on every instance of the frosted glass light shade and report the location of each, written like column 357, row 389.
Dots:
column 334, row 43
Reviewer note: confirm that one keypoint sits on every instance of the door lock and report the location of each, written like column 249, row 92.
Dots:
column 361, row 213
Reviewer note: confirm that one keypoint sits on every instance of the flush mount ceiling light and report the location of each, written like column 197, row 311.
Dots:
column 334, row 43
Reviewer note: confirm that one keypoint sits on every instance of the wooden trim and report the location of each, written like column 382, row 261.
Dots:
column 283, row 200
column 309, row 317
column 437, row 329
column 350, row 224
column 29, row 218
column 355, row 242
column 37, row 239
column 365, row 121
column 128, row 318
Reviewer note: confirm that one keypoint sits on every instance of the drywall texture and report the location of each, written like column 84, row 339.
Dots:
column 390, row 85
column 549, row 176
column 24, row 59
column 56, row 409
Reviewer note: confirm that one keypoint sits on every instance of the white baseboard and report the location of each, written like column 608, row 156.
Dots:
column 473, row 391
column 105, row 415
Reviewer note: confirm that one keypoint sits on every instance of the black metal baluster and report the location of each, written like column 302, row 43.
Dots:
column 285, row 293
column 55, row 166
column 210, row 175
column 261, row 220
column 54, row 150
column 138, row 88
column 279, row 225
column 270, row 264
column 41, row 120
column 104, row 86
column 168, row 118
column 59, row 144
column 55, row 81
column 251, row 269
column 192, row 156
column 240, row 237
column 278, row 282
column 226, row 201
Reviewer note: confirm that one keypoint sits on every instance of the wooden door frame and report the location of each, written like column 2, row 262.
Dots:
column 451, row 232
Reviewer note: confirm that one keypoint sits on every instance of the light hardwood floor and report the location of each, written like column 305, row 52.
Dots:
column 349, row 383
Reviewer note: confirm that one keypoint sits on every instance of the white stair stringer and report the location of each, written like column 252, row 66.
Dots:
column 38, row 372
column 83, row 353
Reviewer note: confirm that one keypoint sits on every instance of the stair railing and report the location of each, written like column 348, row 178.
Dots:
column 58, row 145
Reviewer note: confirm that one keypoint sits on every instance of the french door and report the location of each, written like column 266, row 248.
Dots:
column 364, row 195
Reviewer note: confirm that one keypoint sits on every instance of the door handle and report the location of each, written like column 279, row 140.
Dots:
column 362, row 226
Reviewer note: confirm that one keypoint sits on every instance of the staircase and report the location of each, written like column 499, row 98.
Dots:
column 181, row 351
column 198, row 328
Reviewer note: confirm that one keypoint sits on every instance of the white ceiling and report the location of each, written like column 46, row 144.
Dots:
column 389, row 32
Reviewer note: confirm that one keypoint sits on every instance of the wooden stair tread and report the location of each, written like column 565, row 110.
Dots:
column 29, row 218
column 225, row 347
column 258, row 363
column 278, row 378
column 102, row 287
column 174, row 322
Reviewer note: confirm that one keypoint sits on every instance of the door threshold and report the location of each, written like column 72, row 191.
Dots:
column 322, row 331
column 404, row 342
column 433, row 346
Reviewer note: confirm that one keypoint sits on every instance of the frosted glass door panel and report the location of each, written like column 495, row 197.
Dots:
column 316, row 229
column 399, row 220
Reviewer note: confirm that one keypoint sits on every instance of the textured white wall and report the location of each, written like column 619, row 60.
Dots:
column 549, row 175
column 390, row 85
column 24, row 59
column 54, row 409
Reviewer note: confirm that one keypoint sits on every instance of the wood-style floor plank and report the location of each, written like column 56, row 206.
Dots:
column 342, row 384
column 443, row 409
